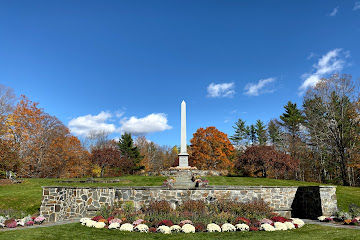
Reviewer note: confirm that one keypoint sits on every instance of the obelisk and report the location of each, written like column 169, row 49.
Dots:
column 183, row 155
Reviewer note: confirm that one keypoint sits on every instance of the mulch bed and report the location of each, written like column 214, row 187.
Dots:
column 4, row 182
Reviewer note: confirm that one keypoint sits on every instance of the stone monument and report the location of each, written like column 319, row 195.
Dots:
column 183, row 155
column 183, row 175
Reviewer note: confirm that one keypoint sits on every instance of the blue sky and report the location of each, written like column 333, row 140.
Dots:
column 127, row 65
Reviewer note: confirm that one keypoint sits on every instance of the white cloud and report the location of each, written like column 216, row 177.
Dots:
column 357, row 6
column 221, row 90
column 255, row 89
column 329, row 63
column 155, row 122
column 311, row 55
column 334, row 12
column 82, row 126
column 85, row 124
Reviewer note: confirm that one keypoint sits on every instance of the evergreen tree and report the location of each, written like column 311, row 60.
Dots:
column 130, row 152
column 274, row 131
column 251, row 134
column 240, row 133
column 292, row 119
column 260, row 129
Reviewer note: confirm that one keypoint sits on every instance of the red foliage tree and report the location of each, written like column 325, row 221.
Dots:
column 107, row 155
column 266, row 159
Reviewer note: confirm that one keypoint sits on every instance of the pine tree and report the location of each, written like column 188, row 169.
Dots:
column 292, row 118
column 274, row 132
column 130, row 152
column 260, row 129
column 240, row 133
column 251, row 134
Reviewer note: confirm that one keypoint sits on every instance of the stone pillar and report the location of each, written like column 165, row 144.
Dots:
column 183, row 155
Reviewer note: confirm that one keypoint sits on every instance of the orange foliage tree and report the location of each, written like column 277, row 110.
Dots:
column 211, row 149
column 44, row 144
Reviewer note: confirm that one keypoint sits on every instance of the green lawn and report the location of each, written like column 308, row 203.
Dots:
column 27, row 195
column 77, row 231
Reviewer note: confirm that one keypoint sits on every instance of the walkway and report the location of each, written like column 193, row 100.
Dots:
column 73, row 220
column 328, row 224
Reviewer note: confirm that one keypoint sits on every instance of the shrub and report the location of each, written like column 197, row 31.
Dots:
column 253, row 229
column 195, row 206
column 158, row 207
column 255, row 223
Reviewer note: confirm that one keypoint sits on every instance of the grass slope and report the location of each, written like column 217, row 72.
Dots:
column 77, row 231
column 27, row 195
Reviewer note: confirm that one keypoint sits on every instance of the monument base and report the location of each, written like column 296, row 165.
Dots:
column 183, row 160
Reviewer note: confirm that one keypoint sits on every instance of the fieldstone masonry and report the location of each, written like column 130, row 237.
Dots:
column 59, row 203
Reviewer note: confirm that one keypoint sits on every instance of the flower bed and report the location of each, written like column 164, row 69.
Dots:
column 8, row 222
column 288, row 224
column 192, row 216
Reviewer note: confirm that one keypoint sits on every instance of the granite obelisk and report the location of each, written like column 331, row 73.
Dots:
column 183, row 155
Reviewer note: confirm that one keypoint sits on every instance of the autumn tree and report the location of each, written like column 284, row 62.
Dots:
column 211, row 149
column 43, row 143
column 265, row 159
column 156, row 157
column 106, row 154
column 9, row 159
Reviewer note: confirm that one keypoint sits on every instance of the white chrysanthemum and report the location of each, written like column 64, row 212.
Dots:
column 163, row 229
column 298, row 221
column 212, row 227
column 242, row 227
column 289, row 225
column 99, row 225
column 175, row 228
column 279, row 226
column 141, row 228
column 2, row 225
column 267, row 227
column 83, row 221
column 228, row 227
column 2, row 219
column 20, row 223
column 90, row 223
column 127, row 227
column 321, row 218
column 188, row 228
column 114, row 225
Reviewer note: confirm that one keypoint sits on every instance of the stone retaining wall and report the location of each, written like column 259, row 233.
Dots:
column 202, row 173
column 59, row 203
